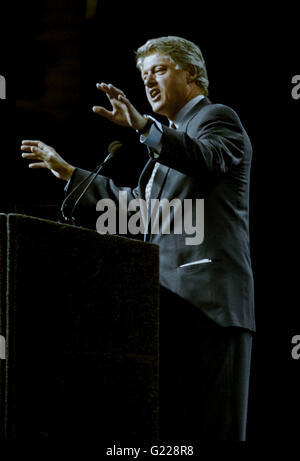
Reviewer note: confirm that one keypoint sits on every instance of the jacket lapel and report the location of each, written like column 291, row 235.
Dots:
column 159, row 181
column 145, row 176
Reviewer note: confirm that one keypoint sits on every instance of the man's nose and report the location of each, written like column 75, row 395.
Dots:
column 150, row 81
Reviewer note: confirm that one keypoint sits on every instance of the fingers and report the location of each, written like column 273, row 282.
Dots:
column 35, row 147
column 29, row 156
column 37, row 165
column 123, row 99
column 35, row 150
column 103, row 112
column 111, row 91
column 30, row 142
column 46, row 157
column 32, row 152
column 33, row 156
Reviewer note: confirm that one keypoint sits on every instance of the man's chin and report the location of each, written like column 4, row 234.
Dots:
column 157, row 107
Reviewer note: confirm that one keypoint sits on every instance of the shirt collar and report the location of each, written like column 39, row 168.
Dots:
column 185, row 109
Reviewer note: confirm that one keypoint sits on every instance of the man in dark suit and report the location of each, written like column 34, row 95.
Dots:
column 207, row 311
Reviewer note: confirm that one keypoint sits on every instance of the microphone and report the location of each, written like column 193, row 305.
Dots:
column 69, row 217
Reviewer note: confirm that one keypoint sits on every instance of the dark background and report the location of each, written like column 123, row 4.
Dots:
column 52, row 55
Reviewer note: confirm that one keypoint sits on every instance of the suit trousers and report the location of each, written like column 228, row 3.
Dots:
column 204, row 375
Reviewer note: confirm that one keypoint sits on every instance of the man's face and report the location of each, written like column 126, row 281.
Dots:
column 167, row 89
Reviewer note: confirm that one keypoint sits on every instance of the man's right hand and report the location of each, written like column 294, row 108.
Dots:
column 123, row 112
column 46, row 157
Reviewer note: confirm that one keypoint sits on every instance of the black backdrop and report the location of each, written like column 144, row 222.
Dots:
column 251, row 56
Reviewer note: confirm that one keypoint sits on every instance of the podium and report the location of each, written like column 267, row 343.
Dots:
column 79, row 314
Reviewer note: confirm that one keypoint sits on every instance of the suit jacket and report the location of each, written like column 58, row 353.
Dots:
column 208, row 157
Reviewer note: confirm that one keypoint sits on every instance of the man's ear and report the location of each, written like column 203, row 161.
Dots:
column 191, row 73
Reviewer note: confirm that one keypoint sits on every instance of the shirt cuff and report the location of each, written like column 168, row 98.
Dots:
column 153, row 139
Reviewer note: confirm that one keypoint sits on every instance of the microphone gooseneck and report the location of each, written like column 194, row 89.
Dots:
column 113, row 147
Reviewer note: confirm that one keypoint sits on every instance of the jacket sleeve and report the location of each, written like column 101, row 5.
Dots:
column 102, row 188
column 213, row 144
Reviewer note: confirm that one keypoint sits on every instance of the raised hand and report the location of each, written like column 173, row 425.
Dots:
column 123, row 112
column 46, row 157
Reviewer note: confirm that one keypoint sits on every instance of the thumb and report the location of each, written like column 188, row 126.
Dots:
column 102, row 111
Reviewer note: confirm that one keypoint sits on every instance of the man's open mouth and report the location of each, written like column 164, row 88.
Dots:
column 154, row 94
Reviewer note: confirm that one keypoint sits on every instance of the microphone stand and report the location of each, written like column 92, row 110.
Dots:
column 69, row 219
